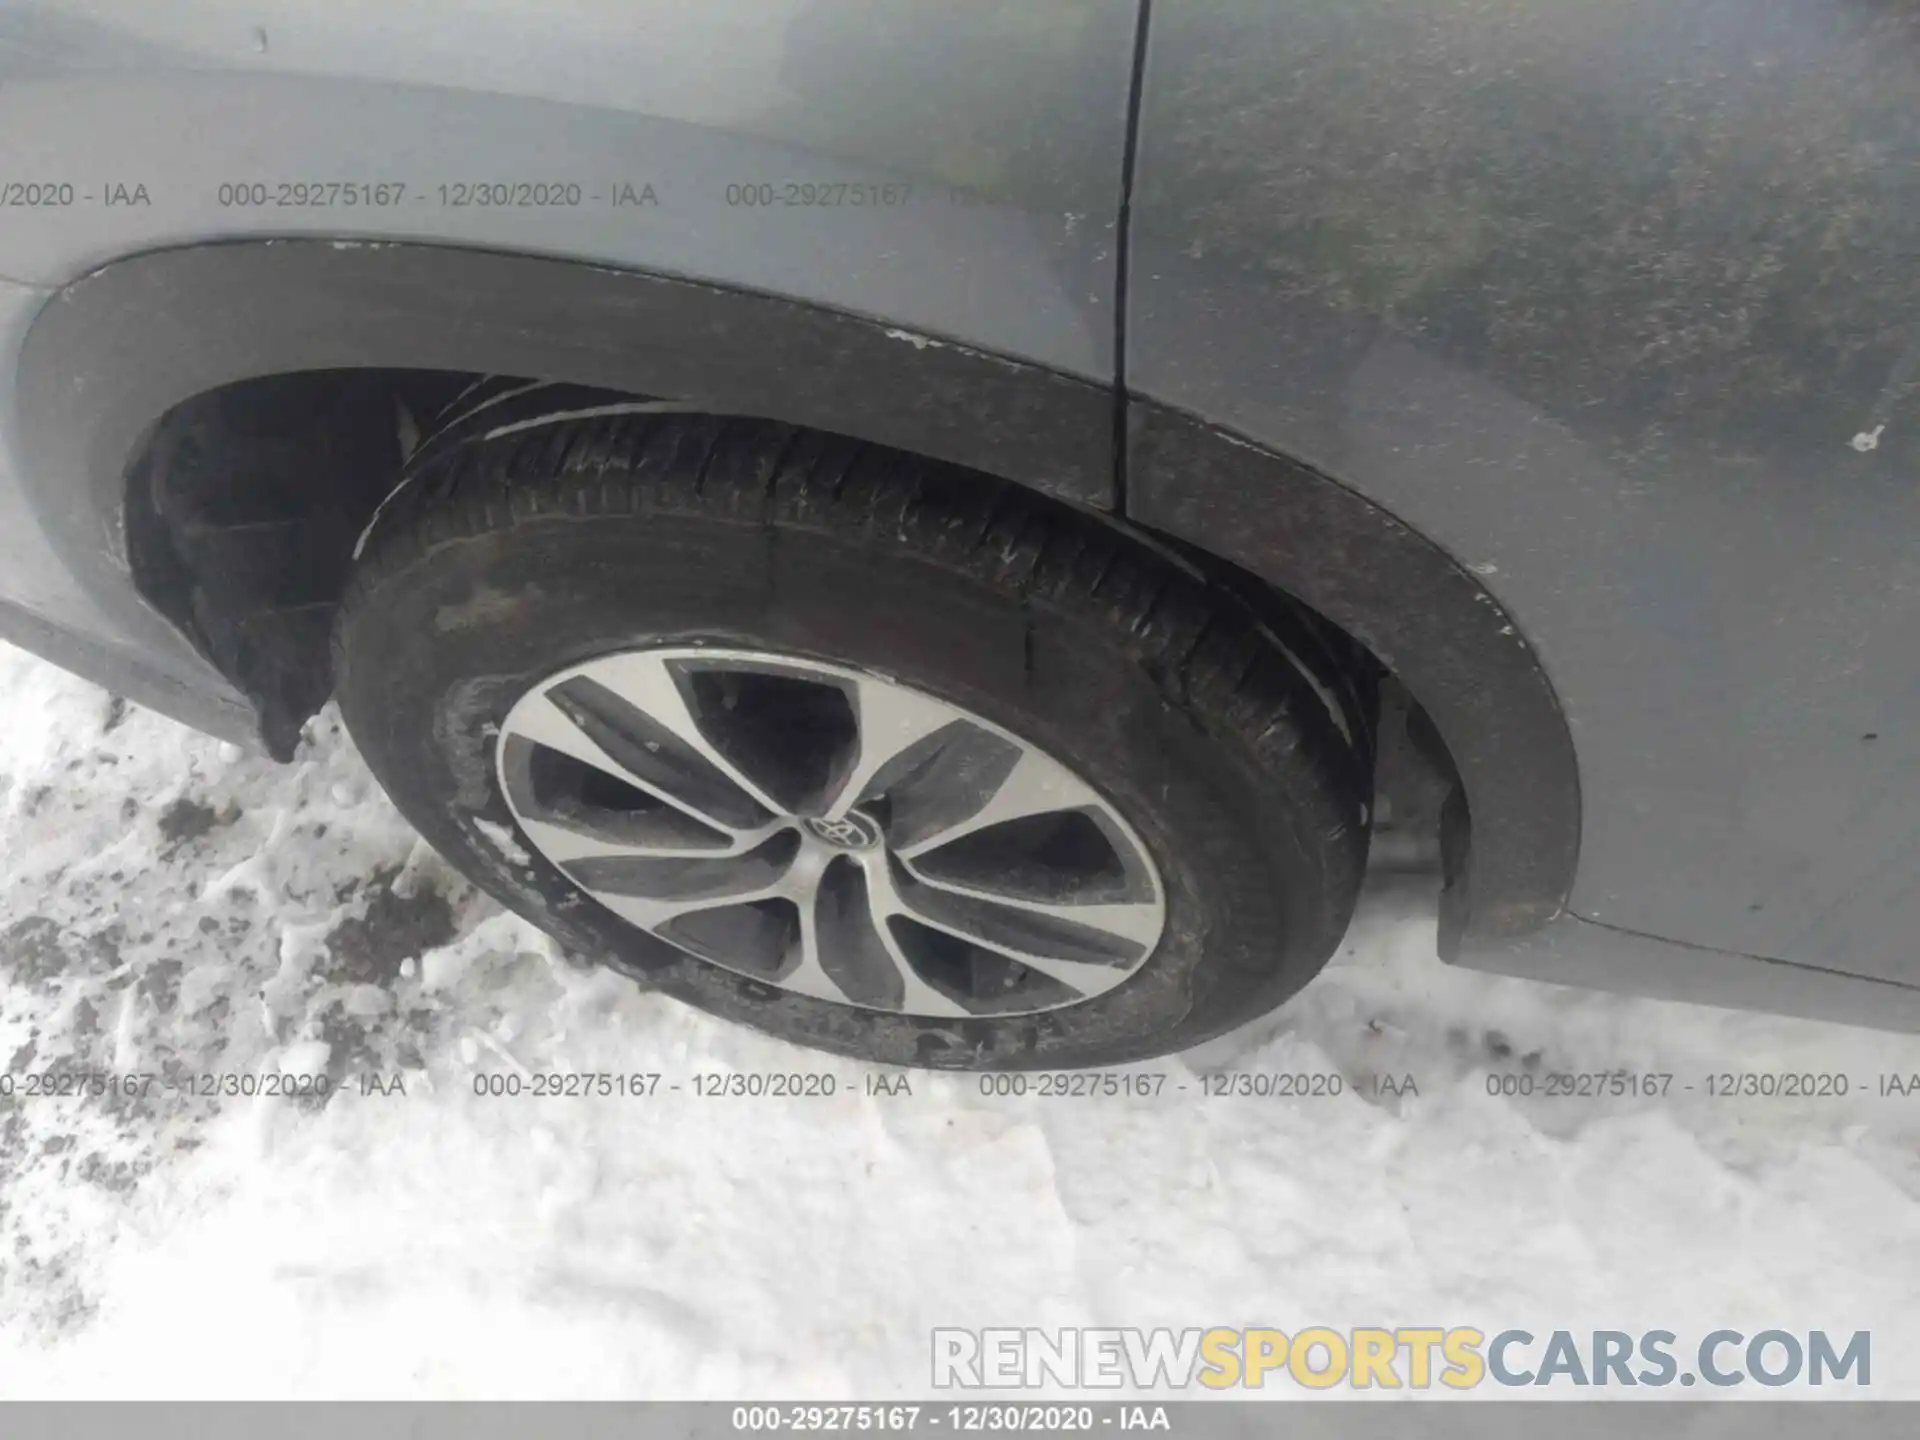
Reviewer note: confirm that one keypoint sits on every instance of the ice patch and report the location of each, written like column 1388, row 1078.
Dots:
column 503, row 840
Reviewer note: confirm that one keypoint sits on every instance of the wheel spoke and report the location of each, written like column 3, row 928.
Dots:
column 1074, row 954
column 1035, row 785
column 566, row 839
column 651, row 912
column 1136, row 921
column 1080, row 976
column 807, row 976
column 646, row 682
column 804, row 885
column 892, row 721
column 920, row 997
column 652, row 890
column 538, row 719
column 541, row 719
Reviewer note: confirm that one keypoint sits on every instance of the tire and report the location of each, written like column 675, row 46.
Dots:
column 506, row 559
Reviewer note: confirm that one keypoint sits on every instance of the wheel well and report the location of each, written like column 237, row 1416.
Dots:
column 242, row 508
column 245, row 505
column 161, row 332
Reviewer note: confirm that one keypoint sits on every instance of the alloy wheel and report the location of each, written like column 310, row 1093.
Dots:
column 830, row 832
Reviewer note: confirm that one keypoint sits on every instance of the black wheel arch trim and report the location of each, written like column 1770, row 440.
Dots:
column 115, row 350
column 1424, row 615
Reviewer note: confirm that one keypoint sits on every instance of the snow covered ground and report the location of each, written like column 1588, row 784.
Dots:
column 171, row 907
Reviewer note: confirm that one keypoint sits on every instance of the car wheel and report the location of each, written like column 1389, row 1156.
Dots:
column 875, row 754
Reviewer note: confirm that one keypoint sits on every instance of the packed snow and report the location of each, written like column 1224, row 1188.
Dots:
column 173, row 907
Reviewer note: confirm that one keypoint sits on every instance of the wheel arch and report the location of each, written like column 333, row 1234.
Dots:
column 1510, row 835
column 119, row 349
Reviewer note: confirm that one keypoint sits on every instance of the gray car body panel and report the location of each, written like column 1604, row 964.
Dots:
column 1617, row 304
column 1553, row 293
column 1006, row 121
